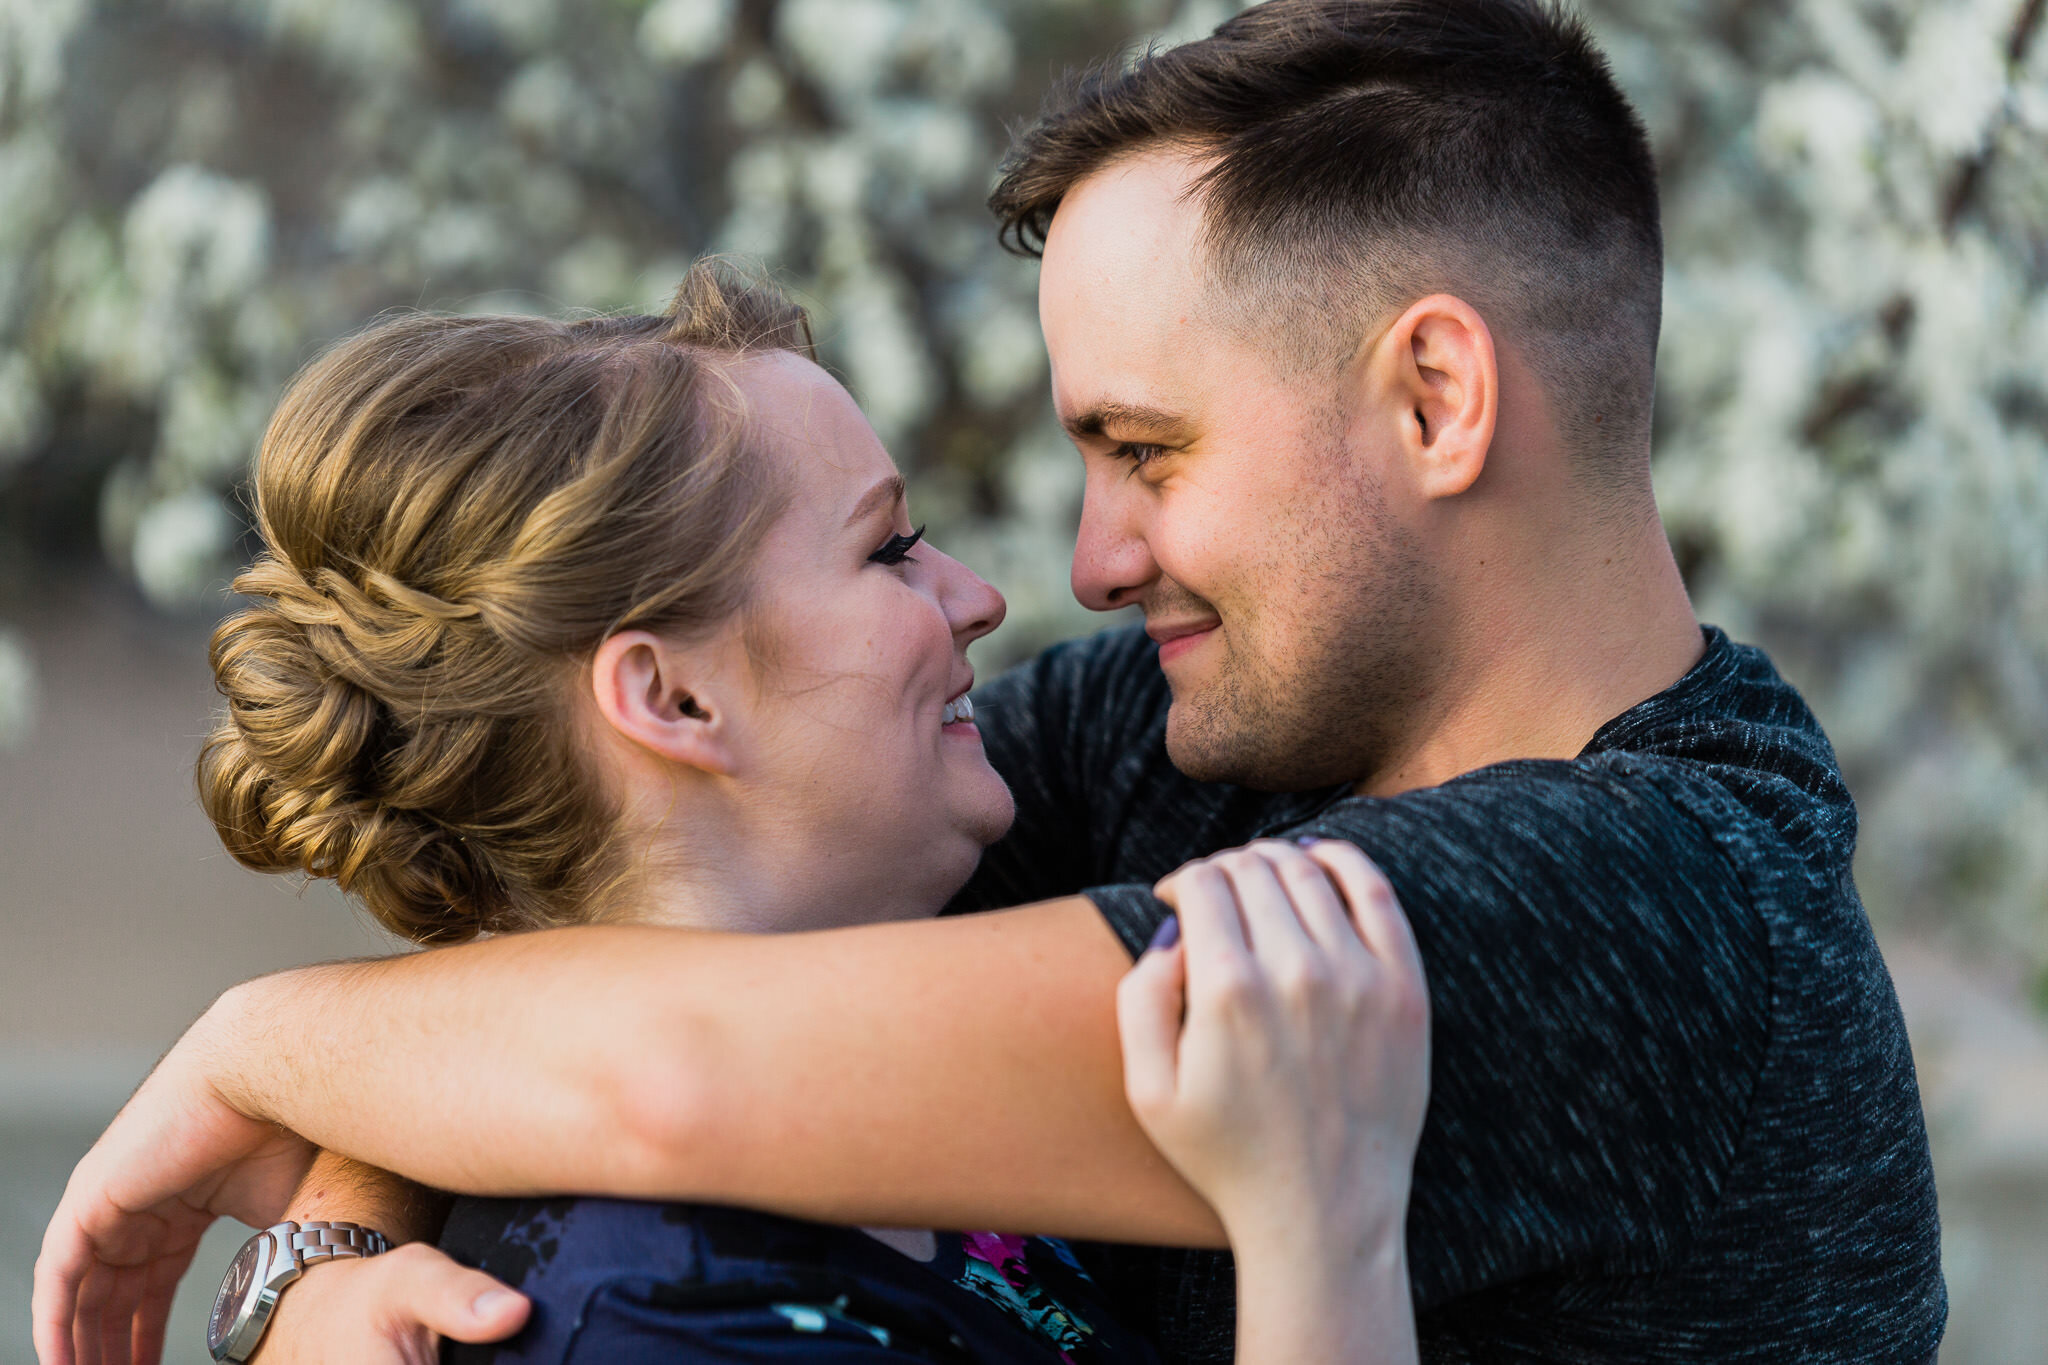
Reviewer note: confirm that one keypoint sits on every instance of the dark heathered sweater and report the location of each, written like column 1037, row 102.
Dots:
column 1673, row 1113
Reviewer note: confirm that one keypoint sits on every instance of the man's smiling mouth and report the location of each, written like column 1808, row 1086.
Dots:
column 1176, row 638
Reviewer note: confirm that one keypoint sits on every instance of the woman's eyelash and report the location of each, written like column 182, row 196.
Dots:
column 896, row 549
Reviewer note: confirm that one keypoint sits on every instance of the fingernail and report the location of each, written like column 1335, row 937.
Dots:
column 1166, row 935
column 1307, row 840
column 492, row 1301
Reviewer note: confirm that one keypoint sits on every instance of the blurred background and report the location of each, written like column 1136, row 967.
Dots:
column 1852, row 447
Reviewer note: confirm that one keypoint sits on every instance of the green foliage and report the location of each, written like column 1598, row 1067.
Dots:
column 1853, row 437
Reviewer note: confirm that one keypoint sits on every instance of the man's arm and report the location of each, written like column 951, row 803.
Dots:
column 390, row 1309
column 959, row 1072
column 337, row 1189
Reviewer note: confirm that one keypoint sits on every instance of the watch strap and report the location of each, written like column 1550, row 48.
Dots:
column 313, row 1243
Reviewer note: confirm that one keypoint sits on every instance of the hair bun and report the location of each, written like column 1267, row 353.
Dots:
column 294, row 776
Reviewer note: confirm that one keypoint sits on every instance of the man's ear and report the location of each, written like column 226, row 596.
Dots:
column 1443, row 370
column 643, row 687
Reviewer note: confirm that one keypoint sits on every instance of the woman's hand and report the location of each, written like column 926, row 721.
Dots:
column 176, row 1157
column 1278, row 1055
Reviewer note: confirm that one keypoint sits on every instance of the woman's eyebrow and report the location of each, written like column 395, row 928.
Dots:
column 887, row 493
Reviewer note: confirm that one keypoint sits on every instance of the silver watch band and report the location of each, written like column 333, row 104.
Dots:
column 317, row 1242
column 267, row 1265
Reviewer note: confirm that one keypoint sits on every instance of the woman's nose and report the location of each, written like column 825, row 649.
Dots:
column 972, row 604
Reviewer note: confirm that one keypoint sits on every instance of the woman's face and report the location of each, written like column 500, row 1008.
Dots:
column 855, row 657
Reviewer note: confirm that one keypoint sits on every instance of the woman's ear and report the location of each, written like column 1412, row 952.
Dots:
column 1447, row 377
column 649, row 690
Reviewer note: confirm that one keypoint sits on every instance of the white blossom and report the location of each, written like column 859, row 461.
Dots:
column 684, row 32
column 379, row 213
column 195, row 232
column 596, row 272
column 23, row 415
column 758, row 93
column 375, row 40
column 885, row 360
column 847, row 46
column 1952, row 76
column 33, row 36
column 17, row 690
column 933, row 146
column 180, row 545
column 525, row 25
column 1002, row 352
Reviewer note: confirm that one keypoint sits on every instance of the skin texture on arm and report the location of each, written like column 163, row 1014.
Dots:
column 337, row 1189
column 771, row 1071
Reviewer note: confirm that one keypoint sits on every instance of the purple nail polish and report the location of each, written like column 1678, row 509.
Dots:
column 1307, row 840
column 1166, row 935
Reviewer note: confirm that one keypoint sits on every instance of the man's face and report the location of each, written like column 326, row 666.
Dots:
column 1248, row 502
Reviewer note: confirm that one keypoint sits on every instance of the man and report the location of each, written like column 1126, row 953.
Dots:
column 1352, row 309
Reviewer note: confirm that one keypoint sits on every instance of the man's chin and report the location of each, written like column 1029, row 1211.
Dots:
column 1210, row 748
column 1218, row 744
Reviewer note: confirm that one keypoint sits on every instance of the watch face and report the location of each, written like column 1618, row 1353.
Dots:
column 234, row 1292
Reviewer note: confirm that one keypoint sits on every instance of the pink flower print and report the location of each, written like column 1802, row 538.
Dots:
column 1005, row 1253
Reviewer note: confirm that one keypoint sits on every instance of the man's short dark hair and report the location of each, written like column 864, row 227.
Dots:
column 1369, row 152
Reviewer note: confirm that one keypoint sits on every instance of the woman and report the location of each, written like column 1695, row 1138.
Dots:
column 625, row 619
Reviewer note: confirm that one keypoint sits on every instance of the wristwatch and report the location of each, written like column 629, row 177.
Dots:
column 267, row 1262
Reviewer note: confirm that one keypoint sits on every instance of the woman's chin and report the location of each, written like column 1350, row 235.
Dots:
column 979, row 823
column 995, row 812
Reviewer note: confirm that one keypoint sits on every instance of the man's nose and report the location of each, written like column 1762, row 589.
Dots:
column 1112, row 562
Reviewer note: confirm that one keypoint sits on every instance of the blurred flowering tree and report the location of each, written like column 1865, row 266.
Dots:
column 1853, row 441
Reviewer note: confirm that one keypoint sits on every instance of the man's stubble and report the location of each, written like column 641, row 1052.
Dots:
column 1327, row 688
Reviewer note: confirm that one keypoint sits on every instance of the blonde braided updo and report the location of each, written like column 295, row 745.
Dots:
column 455, row 513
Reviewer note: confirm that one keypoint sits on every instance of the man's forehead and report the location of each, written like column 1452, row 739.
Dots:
column 1128, row 229
column 1119, row 295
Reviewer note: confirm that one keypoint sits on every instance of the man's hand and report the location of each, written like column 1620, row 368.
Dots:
column 387, row 1310
column 175, row 1158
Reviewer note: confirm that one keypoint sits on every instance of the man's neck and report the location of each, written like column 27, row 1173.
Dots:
column 1535, row 673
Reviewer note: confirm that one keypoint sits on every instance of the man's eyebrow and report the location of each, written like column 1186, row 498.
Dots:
column 887, row 493
column 1094, row 421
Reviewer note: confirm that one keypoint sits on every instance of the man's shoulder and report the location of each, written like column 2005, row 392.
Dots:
column 1726, row 774
column 1735, row 736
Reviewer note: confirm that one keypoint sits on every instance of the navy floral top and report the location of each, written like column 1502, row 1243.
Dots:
column 624, row 1281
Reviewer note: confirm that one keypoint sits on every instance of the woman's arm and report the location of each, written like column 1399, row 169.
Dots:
column 959, row 1072
column 1278, row 1054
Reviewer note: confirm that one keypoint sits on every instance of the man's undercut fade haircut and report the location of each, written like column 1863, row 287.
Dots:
column 1363, row 154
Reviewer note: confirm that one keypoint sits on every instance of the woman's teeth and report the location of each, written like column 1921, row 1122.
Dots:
column 957, row 710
